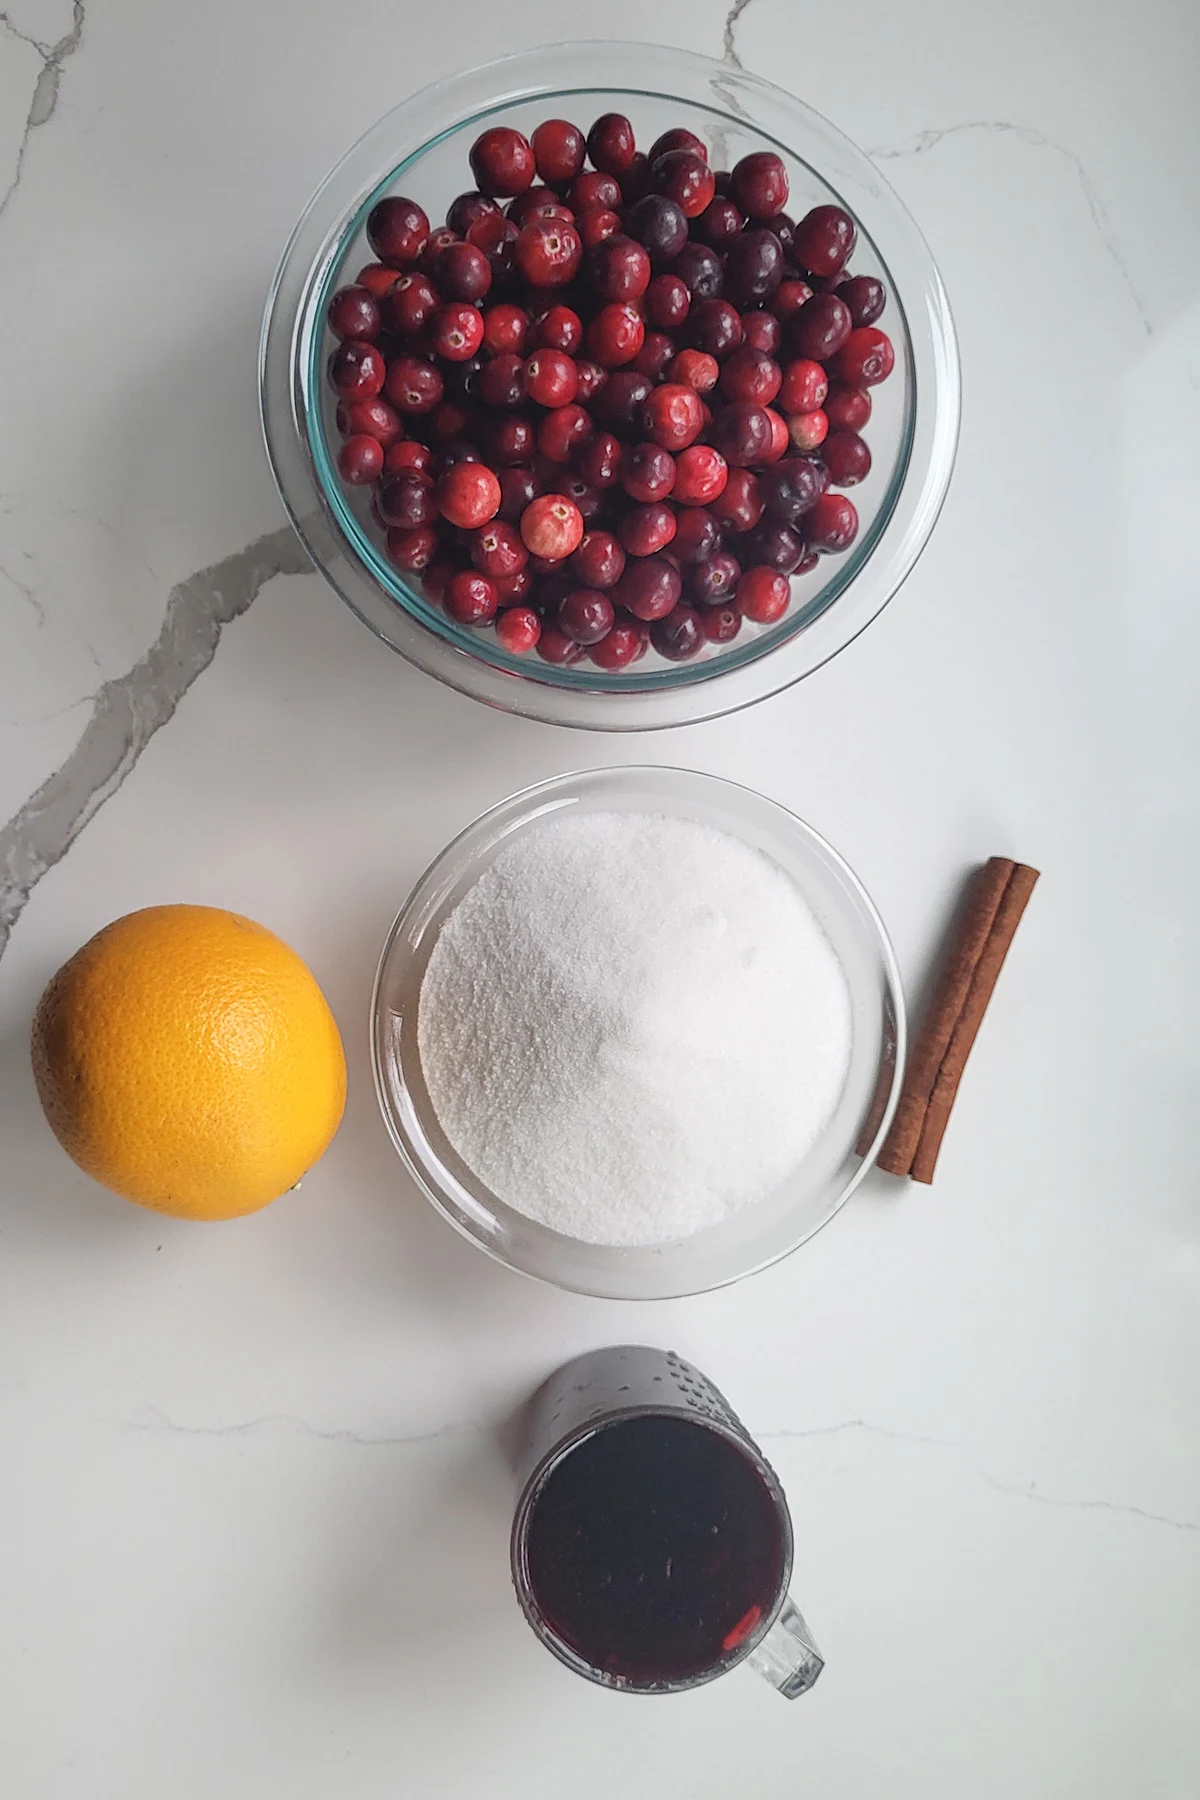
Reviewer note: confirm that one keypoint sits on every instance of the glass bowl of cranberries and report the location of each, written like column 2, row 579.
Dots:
column 610, row 385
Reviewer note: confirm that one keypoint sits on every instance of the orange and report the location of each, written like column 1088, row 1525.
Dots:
column 187, row 1059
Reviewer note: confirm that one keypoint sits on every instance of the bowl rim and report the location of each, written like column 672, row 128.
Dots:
column 522, row 806
column 857, row 590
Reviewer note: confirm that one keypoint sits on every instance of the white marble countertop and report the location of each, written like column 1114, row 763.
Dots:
column 254, row 1506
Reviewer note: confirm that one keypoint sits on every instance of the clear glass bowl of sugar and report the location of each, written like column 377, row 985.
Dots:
column 755, row 1235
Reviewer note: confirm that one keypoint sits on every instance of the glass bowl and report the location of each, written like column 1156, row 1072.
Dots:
column 420, row 148
column 761, row 1233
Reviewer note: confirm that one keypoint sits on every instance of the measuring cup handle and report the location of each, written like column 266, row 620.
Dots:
column 787, row 1657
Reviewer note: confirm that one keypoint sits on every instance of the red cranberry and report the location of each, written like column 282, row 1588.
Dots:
column 701, row 271
column 615, row 335
column 412, row 551
column 611, row 143
column 789, row 297
column 410, row 304
column 407, row 455
column 751, row 375
column 554, row 646
column 414, row 385
column 504, row 328
column 377, row 278
column 713, row 326
column 649, row 588
column 739, row 505
column 518, row 486
column 807, row 431
column 591, row 378
column 763, row 595
column 695, row 369
column 762, row 331
column 697, row 534
column 468, row 494
column 551, row 378
column 471, row 598
column 497, row 549
column 847, row 408
column 435, row 577
column 866, row 358
column 679, row 636
column 742, row 433
column 468, row 209
column 791, row 487
column 804, row 387
column 502, row 381
column 552, row 526
column 820, row 328
column 464, row 272
column 679, row 138
column 518, row 630
column 780, row 440
column 360, row 460
column 594, row 191
column 502, row 161
column 713, row 580
column 599, row 460
column 684, row 178
column 759, row 184
column 516, row 589
column 577, row 490
column 453, row 449
column 586, row 615
column 354, row 313
column 865, row 296
column 847, row 457
column 406, row 498
column 532, row 200
column 673, row 416
column 558, row 150
column 667, row 302
column 599, row 561
column 357, row 370
column 397, row 231
column 619, row 269
column 557, row 329
column 456, row 331
column 645, row 530
column 619, row 402
column 824, row 240
column 719, row 225
column 660, row 225
column 619, row 648
column 562, row 432
column 700, row 475
column 656, row 352
column 635, row 180
column 721, row 624
column 647, row 472
column 595, row 225
column 773, row 545
column 439, row 240
column 753, row 267
column 785, row 230
column 370, row 418
column 548, row 252
column 831, row 523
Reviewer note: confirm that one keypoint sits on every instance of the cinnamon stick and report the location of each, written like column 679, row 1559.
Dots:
column 941, row 1099
column 945, row 1010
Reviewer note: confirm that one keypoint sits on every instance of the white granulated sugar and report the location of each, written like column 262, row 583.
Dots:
column 632, row 1026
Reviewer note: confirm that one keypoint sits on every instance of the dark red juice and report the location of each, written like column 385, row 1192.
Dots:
column 654, row 1550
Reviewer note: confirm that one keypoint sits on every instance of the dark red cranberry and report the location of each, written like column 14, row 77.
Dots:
column 742, row 433
column 611, row 143
column 464, row 272
column 591, row 378
column 660, row 225
column 586, row 615
column 763, row 595
column 471, row 598
column 407, row 498
column 410, row 304
column 647, row 472
column 505, row 327
column 866, row 358
column 824, row 240
column 551, row 378
column 751, row 375
column 865, row 296
column 456, row 331
column 721, row 624
column 831, row 524
column 619, row 648
column 354, row 313
column 508, row 441
column 581, row 493
column 468, row 494
column 561, row 432
column 808, row 431
column 635, row 180
column 502, row 381
column 552, row 526
column 357, row 370
column 615, row 335
column 789, row 297
column 435, row 578
column 847, row 457
column 719, row 225
column 439, row 240
column 548, row 252
column 739, row 505
column 847, row 408
column 377, row 278
column 414, row 385
column 820, row 328
column 596, row 225
column 684, row 178
column 701, row 271
column 594, row 190
column 785, row 230
column 790, row 488
column 667, row 302
column 656, row 352
column 497, row 549
column 759, row 184
column 462, row 381
column 701, row 474
column 516, row 589
column 619, row 269
column 397, row 231
column 619, row 402
column 679, row 636
column 412, row 551
column 370, row 418
column 679, row 138
column 697, row 534
column 599, row 459
column 360, row 460
column 502, row 161
column 558, row 150
column 599, row 561
column 695, row 369
column 713, row 326
column 467, row 209
column 673, row 415
column 407, row 454
column 518, row 629
column 649, row 588
column 804, row 386
column 451, row 422
column 774, row 545
column 762, row 331
column 554, row 646
column 558, row 328
column 713, row 580
column 518, row 486
column 753, row 267
column 645, row 530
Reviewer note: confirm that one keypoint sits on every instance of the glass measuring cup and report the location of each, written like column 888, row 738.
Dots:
column 652, row 1544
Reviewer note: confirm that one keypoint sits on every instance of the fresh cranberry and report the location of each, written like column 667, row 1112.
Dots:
column 515, row 589
column 619, row 648
column 397, row 231
column 719, row 225
column 762, row 331
column 785, row 230
column 414, row 385
column 597, row 225
column 866, row 358
column 701, row 271
column 557, row 329
column 552, row 526
column 753, row 267
column 751, row 375
column 679, row 636
column 673, row 416
column 471, row 598
column 406, row 498
column 865, row 296
column 645, row 530
column 831, row 523
column 497, row 549
column 759, row 184
column 780, row 439
column 656, row 352
column 467, row 209
column 763, row 595
column 619, row 269
column 354, row 313
column 619, row 402
column 518, row 629
column 554, row 646
column 635, row 180
column 464, row 272
column 502, row 381
column 742, row 433
column 695, row 369
column 370, row 418
column 360, row 460
column 667, row 302
column 412, row 551
column 847, row 408
column 551, row 378
column 615, row 335
column 453, row 450
column 820, row 328
column 571, row 483
column 548, row 252
column 697, row 534
column 611, row 143
column 660, row 225
column 739, row 505
column 721, row 624
column 357, row 370
column 824, row 240
column 558, row 150
column 468, row 494
column 713, row 580
column 684, row 178
column 808, row 431
column 502, row 161
column 505, row 327
column 789, row 297
column 804, row 387
column 562, row 431
column 407, row 455
column 599, row 561
column 713, row 326
column 679, row 138
column 456, row 331
column 647, row 472
column 847, row 457
column 701, row 474
column 439, row 242
column 518, row 486
column 599, row 459
column 774, row 545
column 435, row 578
column 649, row 588
column 592, row 191
column 586, row 615
column 591, row 378
column 410, row 304
column 792, row 487
column 377, row 278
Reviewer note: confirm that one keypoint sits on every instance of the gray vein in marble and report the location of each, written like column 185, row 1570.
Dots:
column 24, row 588
column 127, row 711
column 45, row 92
column 155, row 1420
column 729, row 47
column 925, row 141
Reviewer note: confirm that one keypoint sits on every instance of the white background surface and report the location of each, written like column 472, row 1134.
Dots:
column 253, row 1507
